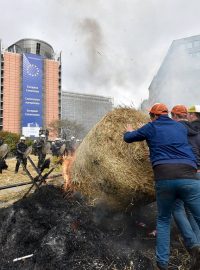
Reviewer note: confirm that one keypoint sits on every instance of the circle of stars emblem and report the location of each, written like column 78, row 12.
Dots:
column 33, row 70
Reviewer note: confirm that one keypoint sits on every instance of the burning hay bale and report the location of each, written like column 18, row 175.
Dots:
column 106, row 168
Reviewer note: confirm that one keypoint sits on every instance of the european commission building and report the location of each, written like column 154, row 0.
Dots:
column 85, row 109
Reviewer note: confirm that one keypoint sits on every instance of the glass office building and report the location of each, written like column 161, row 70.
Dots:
column 85, row 109
column 177, row 80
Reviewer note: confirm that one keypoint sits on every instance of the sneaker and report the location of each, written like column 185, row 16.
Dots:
column 195, row 258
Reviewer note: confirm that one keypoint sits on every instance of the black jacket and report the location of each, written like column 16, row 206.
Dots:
column 40, row 144
column 21, row 148
column 55, row 148
column 194, row 137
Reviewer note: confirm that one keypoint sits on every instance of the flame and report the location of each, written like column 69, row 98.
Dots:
column 68, row 161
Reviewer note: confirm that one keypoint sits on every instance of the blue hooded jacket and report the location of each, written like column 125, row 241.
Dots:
column 167, row 141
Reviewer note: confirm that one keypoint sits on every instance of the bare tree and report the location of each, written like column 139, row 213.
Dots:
column 66, row 128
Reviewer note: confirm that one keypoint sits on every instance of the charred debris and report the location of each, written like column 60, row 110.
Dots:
column 52, row 230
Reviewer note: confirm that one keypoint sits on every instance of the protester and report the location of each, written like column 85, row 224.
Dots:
column 175, row 167
column 183, row 217
column 194, row 119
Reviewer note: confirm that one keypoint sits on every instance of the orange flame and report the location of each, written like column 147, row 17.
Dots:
column 67, row 170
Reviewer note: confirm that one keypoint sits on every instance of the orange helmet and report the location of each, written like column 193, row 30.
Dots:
column 179, row 109
column 159, row 108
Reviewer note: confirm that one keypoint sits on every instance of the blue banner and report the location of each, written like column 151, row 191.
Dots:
column 32, row 101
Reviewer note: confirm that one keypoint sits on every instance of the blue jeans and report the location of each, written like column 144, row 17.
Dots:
column 187, row 224
column 167, row 192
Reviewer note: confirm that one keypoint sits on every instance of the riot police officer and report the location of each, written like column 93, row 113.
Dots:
column 3, row 154
column 71, row 146
column 34, row 148
column 20, row 150
column 40, row 151
column 56, row 147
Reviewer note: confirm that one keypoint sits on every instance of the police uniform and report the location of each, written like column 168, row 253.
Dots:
column 21, row 149
column 41, row 155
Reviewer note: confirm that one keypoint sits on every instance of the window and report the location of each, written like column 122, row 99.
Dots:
column 191, row 54
column 188, row 45
column 197, row 43
column 37, row 48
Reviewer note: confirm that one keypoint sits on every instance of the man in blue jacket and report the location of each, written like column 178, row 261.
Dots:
column 174, row 166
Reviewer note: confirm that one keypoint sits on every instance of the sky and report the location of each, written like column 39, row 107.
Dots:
column 111, row 48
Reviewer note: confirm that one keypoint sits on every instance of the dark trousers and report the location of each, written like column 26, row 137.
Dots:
column 3, row 165
column 41, row 159
column 19, row 161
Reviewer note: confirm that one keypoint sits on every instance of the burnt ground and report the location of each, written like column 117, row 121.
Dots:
column 63, row 232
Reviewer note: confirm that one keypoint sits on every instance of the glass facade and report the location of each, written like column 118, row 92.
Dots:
column 85, row 109
column 177, row 80
column 34, row 46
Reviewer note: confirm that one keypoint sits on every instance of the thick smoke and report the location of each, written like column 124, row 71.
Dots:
column 101, row 71
column 93, row 43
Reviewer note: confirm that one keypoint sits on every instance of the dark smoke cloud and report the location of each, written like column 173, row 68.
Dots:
column 92, row 33
column 100, row 70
